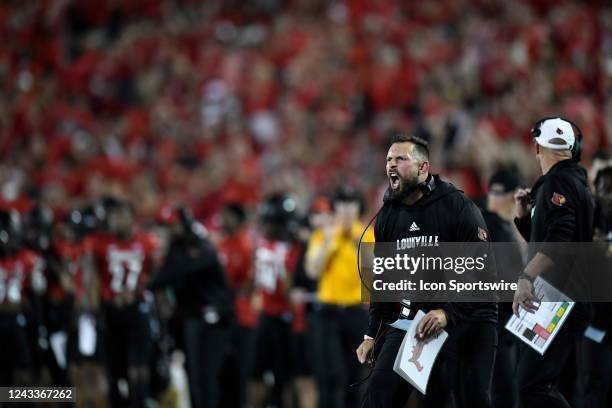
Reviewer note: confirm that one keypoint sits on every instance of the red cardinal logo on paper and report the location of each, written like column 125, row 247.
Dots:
column 558, row 199
column 482, row 234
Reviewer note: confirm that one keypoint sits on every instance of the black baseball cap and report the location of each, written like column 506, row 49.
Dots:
column 504, row 180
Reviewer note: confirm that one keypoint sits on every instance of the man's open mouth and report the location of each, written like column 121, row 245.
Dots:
column 394, row 181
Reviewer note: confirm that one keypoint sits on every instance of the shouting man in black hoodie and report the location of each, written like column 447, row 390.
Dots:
column 557, row 210
column 420, row 204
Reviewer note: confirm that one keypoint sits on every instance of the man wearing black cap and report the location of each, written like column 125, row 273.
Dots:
column 500, row 204
column 193, row 270
column 498, row 215
column 559, row 208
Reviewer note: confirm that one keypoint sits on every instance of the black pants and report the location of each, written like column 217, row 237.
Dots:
column 129, row 345
column 538, row 375
column 386, row 389
column 14, row 351
column 205, row 350
column 237, row 367
column 340, row 331
column 472, row 352
column 243, row 339
column 305, row 349
column 59, row 318
column 505, row 391
column 273, row 344
column 596, row 373
column 461, row 375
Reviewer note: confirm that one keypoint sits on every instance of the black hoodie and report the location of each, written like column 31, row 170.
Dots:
column 563, row 211
column 193, row 269
column 443, row 212
column 563, row 208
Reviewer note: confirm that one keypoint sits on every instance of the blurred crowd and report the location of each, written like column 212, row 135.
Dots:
column 145, row 128
column 201, row 102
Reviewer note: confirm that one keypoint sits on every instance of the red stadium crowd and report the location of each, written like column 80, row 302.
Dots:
column 201, row 103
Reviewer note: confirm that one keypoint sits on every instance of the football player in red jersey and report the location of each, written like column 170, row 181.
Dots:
column 63, row 273
column 274, row 260
column 70, row 308
column 236, row 254
column 20, row 271
column 50, row 313
column 123, row 259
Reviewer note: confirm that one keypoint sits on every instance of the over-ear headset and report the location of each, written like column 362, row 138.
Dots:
column 428, row 185
column 576, row 148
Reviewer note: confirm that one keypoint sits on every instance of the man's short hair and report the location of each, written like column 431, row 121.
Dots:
column 420, row 145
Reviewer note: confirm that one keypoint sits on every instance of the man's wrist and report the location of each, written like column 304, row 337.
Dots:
column 525, row 275
column 366, row 337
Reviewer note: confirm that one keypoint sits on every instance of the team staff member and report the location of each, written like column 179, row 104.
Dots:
column 603, row 215
column 421, row 204
column 558, row 209
column 236, row 256
column 498, row 215
column 332, row 258
column 192, row 268
column 596, row 357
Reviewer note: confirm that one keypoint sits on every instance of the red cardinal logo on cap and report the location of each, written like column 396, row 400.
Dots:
column 482, row 234
column 558, row 199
